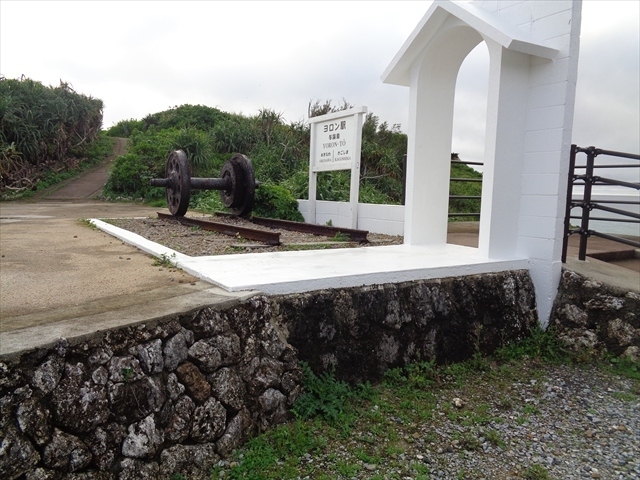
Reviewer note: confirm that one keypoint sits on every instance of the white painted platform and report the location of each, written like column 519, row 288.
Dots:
column 303, row 271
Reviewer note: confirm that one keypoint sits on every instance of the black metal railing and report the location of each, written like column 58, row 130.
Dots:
column 451, row 197
column 588, row 180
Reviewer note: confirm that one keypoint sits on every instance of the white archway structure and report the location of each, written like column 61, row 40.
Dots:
column 533, row 48
column 533, row 51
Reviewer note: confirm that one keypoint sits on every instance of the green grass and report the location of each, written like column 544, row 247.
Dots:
column 87, row 223
column 328, row 398
column 541, row 344
column 373, row 432
column 341, row 237
column 277, row 453
column 536, row 472
column 167, row 261
column 625, row 396
column 102, row 148
column 622, row 366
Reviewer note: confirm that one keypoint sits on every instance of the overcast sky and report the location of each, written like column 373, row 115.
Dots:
column 240, row 56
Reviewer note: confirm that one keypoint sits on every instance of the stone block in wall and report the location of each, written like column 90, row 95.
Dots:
column 79, row 404
column 194, row 382
column 144, row 439
column 176, row 349
column 209, row 421
column 126, row 403
column 34, row 419
column 131, row 401
column 238, row 431
column 589, row 314
column 104, row 444
column 176, row 419
column 229, row 388
column 66, row 453
column 187, row 460
column 17, row 454
column 133, row 469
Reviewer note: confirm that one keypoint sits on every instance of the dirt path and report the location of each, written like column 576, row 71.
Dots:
column 53, row 267
column 90, row 183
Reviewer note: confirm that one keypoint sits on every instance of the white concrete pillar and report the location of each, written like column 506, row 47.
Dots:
column 505, row 132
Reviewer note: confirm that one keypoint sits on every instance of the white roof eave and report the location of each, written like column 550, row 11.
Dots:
column 485, row 23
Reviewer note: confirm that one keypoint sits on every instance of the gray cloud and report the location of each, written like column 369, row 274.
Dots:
column 144, row 57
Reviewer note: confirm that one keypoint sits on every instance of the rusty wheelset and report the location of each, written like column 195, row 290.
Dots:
column 237, row 184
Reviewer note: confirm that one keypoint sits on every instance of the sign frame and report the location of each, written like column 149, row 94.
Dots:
column 336, row 143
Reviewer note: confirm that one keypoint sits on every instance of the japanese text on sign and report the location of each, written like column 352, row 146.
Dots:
column 334, row 145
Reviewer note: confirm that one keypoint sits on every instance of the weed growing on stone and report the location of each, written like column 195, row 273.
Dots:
column 126, row 373
column 167, row 261
column 327, row 397
column 536, row 472
column 541, row 344
column 87, row 223
column 341, row 237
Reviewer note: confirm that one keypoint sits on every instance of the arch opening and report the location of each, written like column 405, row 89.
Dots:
column 468, row 135
column 433, row 88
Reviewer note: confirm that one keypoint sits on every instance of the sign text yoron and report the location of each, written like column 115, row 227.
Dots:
column 336, row 140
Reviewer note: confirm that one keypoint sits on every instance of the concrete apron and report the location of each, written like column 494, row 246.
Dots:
column 60, row 278
column 309, row 270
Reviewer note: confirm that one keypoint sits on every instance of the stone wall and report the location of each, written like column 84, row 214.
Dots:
column 589, row 315
column 361, row 332
column 146, row 401
column 173, row 396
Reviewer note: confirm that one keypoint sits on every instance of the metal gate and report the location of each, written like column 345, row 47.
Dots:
column 589, row 180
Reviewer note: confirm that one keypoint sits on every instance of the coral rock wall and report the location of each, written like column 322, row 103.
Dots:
column 589, row 315
column 175, row 395
column 361, row 332
column 146, row 401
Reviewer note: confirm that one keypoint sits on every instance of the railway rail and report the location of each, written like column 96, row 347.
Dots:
column 264, row 236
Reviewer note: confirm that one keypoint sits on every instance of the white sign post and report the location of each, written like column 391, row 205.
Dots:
column 336, row 140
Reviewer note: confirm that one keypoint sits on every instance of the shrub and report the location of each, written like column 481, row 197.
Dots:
column 275, row 201
column 130, row 177
column 327, row 397
column 125, row 128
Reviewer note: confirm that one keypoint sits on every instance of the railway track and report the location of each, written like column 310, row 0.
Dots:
column 228, row 227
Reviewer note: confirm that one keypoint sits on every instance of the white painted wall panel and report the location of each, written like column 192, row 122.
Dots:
column 538, row 205
column 540, row 184
column 545, row 118
column 541, row 163
column 537, row 227
column 543, row 8
column 548, row 140
column 547, row 95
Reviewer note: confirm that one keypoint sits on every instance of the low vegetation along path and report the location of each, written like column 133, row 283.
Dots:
column 89, row 185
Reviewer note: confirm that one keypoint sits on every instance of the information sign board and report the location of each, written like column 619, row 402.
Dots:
column 334, row 144
column 336, row 140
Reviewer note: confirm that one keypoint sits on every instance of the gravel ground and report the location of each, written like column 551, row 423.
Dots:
column 574, row 423
column 535, row 422
column 194, row 241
